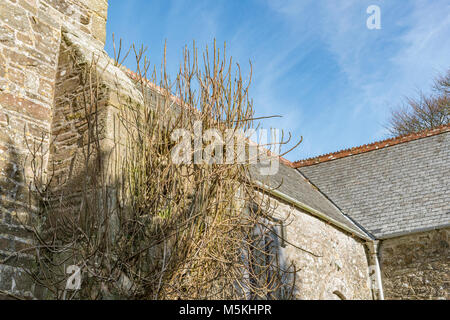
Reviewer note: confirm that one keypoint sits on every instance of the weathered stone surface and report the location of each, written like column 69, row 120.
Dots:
column 332, row 264
column 45, row 45
column 30, row 39
column 293, row 184
column 100, row 7
column 417, row 266
column 2, row 66
column 13, row 103
column 25, row 39
column 16, row 76
column 397, row 189
column 98, row 28
column 6, row 35
column 14, row 16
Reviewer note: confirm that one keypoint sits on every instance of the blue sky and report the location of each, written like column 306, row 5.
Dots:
column 315, row 62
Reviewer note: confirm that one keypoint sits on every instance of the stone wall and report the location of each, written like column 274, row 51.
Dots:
column 332, row 264
column 45, row 46
column 416, row 266
column 30, row 41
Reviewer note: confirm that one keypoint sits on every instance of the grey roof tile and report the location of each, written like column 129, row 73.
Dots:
column 293, row 184
column 405, row 185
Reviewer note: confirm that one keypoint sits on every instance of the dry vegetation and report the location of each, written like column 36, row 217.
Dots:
column 161, row 230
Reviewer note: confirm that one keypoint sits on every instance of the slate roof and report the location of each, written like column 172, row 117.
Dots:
column 390, row 188
column 290, row 182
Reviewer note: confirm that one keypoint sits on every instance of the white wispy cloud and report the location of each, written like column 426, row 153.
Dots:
column 314, row 61
column 381, row 66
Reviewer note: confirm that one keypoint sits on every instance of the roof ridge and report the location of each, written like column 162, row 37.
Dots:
column 371, row 146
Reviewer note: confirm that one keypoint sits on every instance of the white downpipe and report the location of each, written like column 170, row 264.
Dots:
column 373, row 250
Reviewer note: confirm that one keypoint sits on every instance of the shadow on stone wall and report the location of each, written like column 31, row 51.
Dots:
column 17, row 251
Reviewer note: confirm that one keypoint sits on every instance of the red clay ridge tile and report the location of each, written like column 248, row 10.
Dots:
column 286, row 162
column 370, row 147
